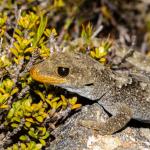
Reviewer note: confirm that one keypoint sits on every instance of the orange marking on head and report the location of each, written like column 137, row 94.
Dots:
column 34, row 72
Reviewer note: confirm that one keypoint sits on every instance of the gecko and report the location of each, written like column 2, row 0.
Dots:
column 124, row 95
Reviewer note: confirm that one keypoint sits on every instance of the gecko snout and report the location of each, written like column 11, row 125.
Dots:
column 43, row 77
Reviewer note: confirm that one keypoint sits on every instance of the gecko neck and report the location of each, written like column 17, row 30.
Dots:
column 103, row 83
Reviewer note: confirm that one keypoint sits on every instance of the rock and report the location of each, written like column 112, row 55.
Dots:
column 72, row 136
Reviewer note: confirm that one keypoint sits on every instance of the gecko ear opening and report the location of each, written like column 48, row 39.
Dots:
column 62, row 71
column 90, row 84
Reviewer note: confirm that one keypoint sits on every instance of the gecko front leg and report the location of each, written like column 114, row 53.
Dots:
column 113, row 124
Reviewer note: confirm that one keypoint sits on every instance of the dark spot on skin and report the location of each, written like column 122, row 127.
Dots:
column 62, row 71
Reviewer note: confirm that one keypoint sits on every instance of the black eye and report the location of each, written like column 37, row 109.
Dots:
column 62, row 71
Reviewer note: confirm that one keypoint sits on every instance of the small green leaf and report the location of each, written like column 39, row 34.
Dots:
column 2, row 90
column 17, row 119
column 39, row 118
column 3, row 98
column 73, row 100
column 42, row 26
column 54, row 105
column 59, row 104
column 14, row 125
column 39, row 146
column 10, row 113
column 23, row 146
column 42, row 130
column 42, row 96
column 19, row 32
column 28, row 124
column 15, row 90
column 32, row 134
column 23, row 138
column 15, row 147
column 47, row 134
column 42, row 142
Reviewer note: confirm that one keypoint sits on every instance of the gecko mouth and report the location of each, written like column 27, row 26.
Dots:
column 49, row 79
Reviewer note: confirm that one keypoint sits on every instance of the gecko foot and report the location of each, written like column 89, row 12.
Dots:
column 113, row 124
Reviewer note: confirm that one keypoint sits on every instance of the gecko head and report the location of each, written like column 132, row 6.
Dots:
column 72, row 71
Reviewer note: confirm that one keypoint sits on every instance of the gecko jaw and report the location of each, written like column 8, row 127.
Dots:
column 54, row 80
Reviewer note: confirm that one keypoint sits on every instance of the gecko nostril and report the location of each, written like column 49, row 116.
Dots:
column 62, row 71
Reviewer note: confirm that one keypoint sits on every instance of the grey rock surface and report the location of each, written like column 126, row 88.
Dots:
column 72, row 136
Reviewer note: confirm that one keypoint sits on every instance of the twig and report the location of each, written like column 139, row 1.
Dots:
column 100, row 28
column 129, row 53
column 10, row 134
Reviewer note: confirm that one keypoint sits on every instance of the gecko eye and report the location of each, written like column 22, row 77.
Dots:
column 62, row 71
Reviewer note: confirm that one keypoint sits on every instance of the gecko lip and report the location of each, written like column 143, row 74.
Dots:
column 36, row 75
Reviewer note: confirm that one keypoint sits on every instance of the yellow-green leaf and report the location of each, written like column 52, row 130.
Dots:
column 23, row 146
column 39, row 118
column 42, row 26
column 42, row 142
column 14, row 125
column 73, row 100
column 23, row 138
column 15, row 90
column 3, row 98
column 47, row 134
column 2, row 90
column 42, row 96
column 15, row 147
column 10, row 113
column 14, row 51
column 28, row 124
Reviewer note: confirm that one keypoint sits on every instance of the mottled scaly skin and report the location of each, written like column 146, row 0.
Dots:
column 123, row 95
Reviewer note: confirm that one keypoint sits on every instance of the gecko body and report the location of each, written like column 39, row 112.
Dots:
column 123, row 95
